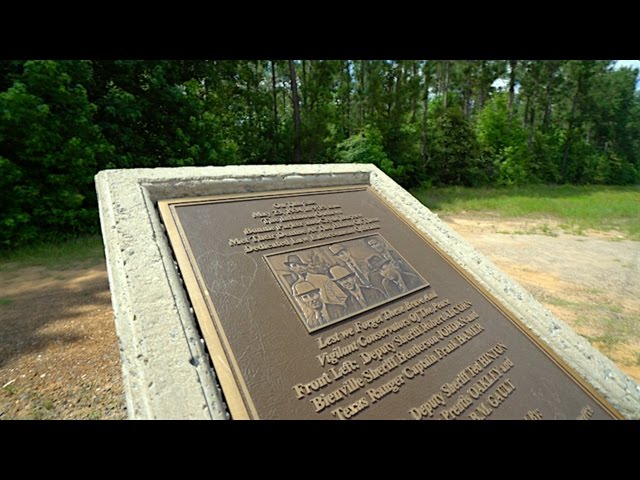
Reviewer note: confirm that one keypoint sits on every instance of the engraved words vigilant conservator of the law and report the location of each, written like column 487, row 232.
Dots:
column 328, row 304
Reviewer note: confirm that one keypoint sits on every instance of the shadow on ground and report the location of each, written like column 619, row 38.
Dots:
column 59, row 355
column 29, row 317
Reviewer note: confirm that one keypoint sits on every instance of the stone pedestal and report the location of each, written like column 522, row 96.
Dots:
column 166, row 370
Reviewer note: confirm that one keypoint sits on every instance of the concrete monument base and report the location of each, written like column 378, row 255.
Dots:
column 166, row 371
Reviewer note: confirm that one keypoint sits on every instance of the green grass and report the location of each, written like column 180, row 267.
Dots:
column 576, row 207
column 56, row 256
column 5, row 301
column 560, row 302
column 94, row 415
column 606, row 342
column 10, row 389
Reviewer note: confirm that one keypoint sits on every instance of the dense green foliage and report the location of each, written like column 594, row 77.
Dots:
column 422, row 122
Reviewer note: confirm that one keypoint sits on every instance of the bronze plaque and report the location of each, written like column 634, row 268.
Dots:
column 328, row 304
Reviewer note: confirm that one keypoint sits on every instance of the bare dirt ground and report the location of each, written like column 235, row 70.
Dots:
column 592, row 282
column 59, row 356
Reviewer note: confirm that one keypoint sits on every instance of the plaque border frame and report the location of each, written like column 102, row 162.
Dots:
column 234, row 388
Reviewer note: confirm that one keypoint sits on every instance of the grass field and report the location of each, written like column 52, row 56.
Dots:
column 55, row 256
column 576, row 207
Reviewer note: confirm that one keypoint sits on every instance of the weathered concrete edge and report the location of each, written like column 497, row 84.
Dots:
column 160, row 360
column 153, row 184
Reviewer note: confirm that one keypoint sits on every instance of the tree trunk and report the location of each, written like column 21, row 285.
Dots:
column 532, row 102
column 393, row 90
column 398, row 104
column 547, row 111
column 567, row 142
column 274, row 140
column 284, row 101
column 256, row 88
column 348, row 121
column 512, row 86
column 468, row 69
column 532, row 123
column 249, row 103
column 414, row 102
column 446, row 82
column 424, row 123
column 466, row 98
column 547, row 102
column 296, row 112
column 565, row 155
column 304, row 84
column 275, row 98
column 482, row 85
column 362, row 92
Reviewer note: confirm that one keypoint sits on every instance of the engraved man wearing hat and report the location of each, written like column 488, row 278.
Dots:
column 297, row 266
column 393, row 281
column 379, row 246
column 329, row 292
column 355, row 266
column 359, row 296
column 318, row 312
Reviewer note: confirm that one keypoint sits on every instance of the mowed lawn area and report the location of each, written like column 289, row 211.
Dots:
column 576, row 208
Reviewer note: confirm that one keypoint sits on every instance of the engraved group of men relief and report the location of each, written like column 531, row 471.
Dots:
column 333, row 282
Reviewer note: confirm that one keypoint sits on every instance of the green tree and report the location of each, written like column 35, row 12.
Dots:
column 453, row 148
column 444, row 121
column 322, row 122
column 614, row 126
column 50, row 149
column 366, row 147
column 578, row 78
column 155, row 114
column 502, row 142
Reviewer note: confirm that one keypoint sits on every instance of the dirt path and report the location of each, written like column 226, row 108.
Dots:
column 591, row 282
column 59, row 356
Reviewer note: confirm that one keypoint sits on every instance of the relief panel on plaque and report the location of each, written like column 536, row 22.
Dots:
column 333, row 282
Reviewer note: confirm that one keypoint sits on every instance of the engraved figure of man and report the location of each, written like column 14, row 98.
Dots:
column 357, row 267
column 328, row 290
column 382, row 249
column 318, row 312
column 393, row 281
column 359, row 296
